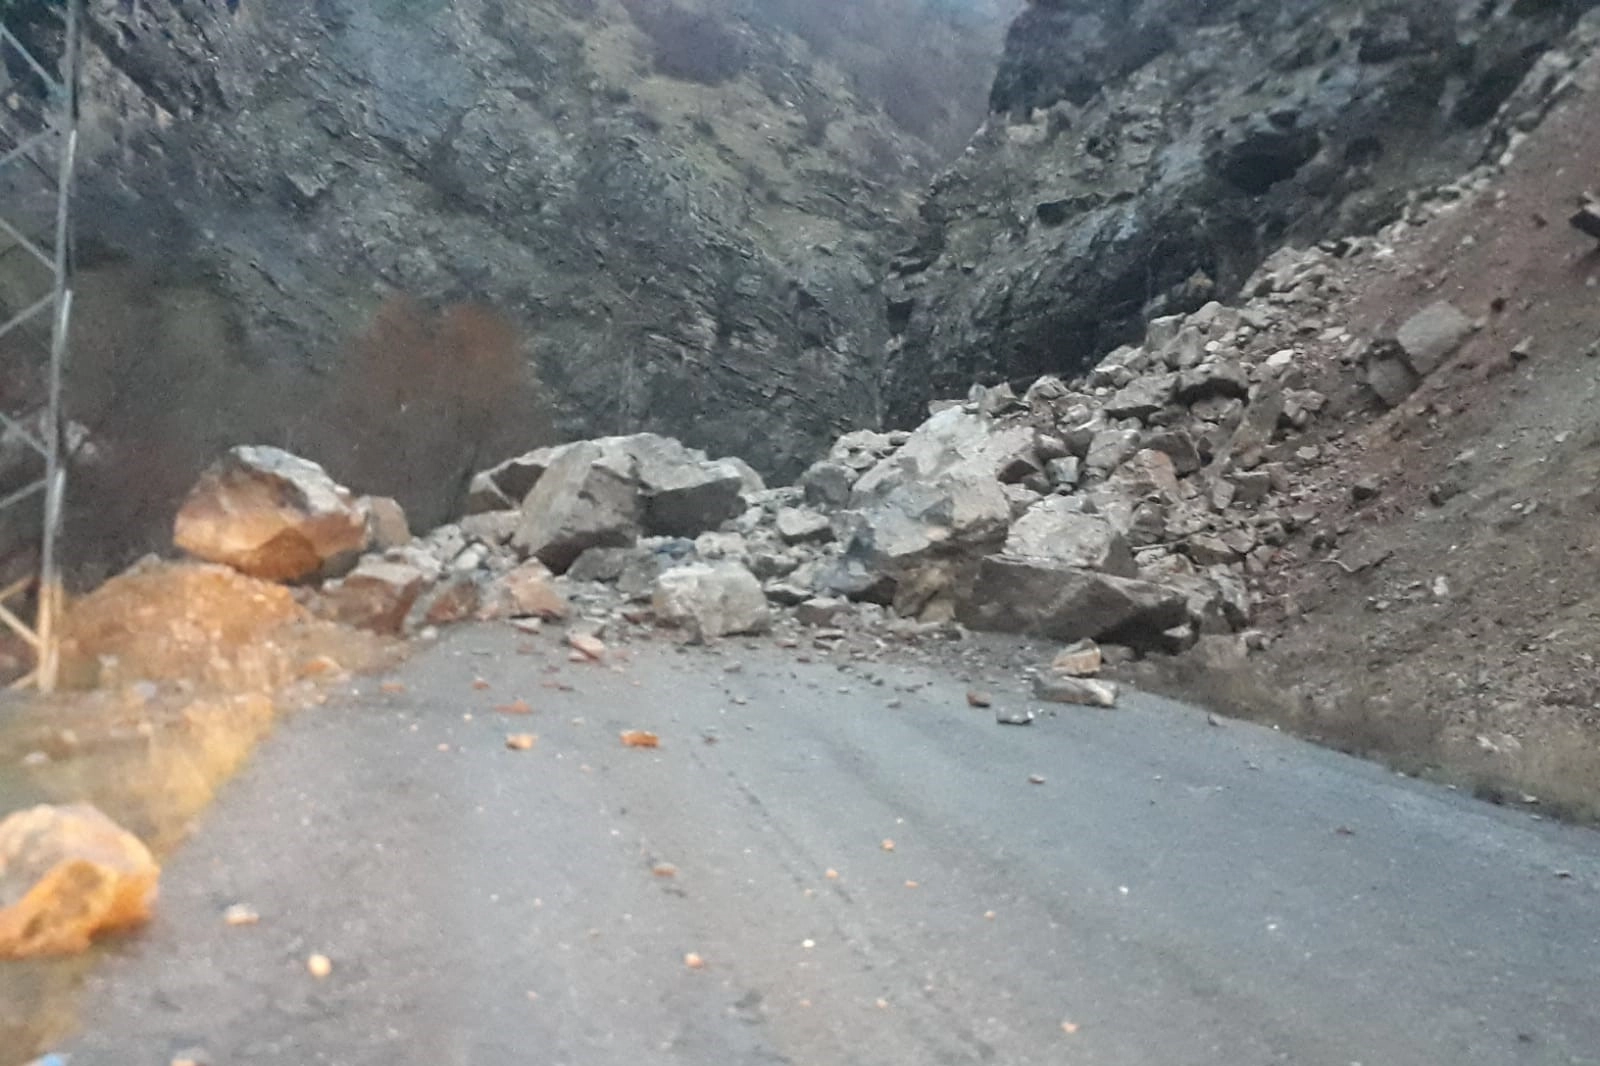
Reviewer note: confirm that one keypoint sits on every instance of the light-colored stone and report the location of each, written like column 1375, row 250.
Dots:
column 494, row 528
column 954, row 514
column 387, row 526
column 821, row 611
column 67, row 875
column 529, row 591
column 1146, row 475
column 271, row 515
column 1433, row 335
column 1064, row 472
column 377, row 595
column 953, row 442
column 600, row 564
column 1057, row 531
column 1079, row 659
column 1083, row 691
column 732, row 546
column 506, row 485
column 1110, row 448
column 711, row 600
column 1207, row 549
column 798, row 526
column 1257, row 428
column 483, row 495
column 456, row 598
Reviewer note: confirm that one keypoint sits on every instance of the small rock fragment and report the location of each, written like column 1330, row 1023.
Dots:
column 587, row 645
column 319, row 966
column 1079, row 690
column 1014, row 717
column 521, row 741
column 239, row 914
column 1081, row 659
column 1587, row 220
column 639, row 738
column 979, row 699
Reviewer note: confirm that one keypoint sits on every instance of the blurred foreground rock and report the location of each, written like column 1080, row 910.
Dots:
column 67, row 875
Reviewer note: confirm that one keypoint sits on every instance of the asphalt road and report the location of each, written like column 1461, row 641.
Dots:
column 1171, row 894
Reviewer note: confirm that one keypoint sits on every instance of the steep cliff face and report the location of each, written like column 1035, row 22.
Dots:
column 1143, row 156
column 672, row 209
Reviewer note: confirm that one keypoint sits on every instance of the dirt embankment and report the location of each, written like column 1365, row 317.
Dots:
column 192, row 665
column 1444, row 616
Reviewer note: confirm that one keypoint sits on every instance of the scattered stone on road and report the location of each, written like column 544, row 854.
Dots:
column 587, row 645
column 1084, row 691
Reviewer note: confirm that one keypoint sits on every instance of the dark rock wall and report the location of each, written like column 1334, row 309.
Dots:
column 1145, row 155
column 667, row 258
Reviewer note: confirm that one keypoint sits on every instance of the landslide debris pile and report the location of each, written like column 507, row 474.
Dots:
column 1133, row 506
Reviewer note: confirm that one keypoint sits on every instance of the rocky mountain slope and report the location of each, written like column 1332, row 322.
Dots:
column 669, row 211
column 1144, row 157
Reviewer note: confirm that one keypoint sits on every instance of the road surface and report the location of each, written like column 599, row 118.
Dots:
column 1129, row 888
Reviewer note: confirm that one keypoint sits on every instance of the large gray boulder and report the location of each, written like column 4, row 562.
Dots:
column 588, row 498
column 1018, row 595
column 608, row 492
column 959, row 513
column 506, row 484
column 686, row 499
column 955, row 442
column 711, row 600
column 1056, row 530
column 271, row 515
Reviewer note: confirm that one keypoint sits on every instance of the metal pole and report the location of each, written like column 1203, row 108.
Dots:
column 50, row 591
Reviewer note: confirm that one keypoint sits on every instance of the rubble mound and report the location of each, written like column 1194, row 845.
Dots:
column 200, row 623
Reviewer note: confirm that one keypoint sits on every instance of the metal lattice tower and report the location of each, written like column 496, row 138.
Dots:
column 38, row 149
